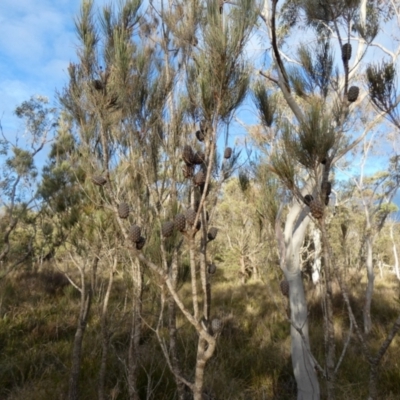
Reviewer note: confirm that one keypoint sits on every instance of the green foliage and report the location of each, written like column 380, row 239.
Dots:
column 17, row 183
column 266, row 103
column 221, row 73
column 382, row 89
column 323, row 15
column 21, row 163
column 19, row 167
column 86, row 30
column 127, row 117
column 37, row 117
column 284, row 166
column 316, row 71
column 269, row 196
column 314, row 137
column 369, row 28
column 37, row 329
column 328, row 11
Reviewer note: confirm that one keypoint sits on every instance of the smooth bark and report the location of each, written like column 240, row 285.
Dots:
column 395, row 254
column 316, row 267
column 370, row 286
column 303, row 367
column 290, row 243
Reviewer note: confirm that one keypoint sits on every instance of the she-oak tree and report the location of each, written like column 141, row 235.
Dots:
column 310, row 135
column 146, row 103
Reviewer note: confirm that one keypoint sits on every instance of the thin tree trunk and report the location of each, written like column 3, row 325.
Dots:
column 192, row 255
column 199, row 374
column 395, row 255
column 173, row 349
column 86, row 297
column 104, row 145
column 205, row 350
column 205, row 284
column 303, row 366
column 289, row 243
column 73, row 391
column 372, row 361
column 93, row 278
column 380, row 263
column 133, row 356
column 256, row 274
column 372, row 384
column 316, row 267
column 329, row 329
column 370, row 287
column 242, row 270
column 105, row 335
column 374, row 364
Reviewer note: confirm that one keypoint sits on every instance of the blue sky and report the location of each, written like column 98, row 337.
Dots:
column 37, row 41
column 36, row 44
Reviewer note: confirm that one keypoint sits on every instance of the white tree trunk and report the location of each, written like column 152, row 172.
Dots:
column 395, row 255
column 370, row 286
column 303, row 366
column 316, row 267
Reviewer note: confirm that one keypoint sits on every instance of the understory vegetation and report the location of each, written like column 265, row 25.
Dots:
column 208, row 223
column 252, row 359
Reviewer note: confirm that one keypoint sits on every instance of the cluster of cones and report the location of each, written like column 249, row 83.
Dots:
column 316, row 207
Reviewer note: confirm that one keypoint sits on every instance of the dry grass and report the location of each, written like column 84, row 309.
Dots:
column 252, row 360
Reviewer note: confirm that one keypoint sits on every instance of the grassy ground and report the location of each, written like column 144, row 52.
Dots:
column 252, row 360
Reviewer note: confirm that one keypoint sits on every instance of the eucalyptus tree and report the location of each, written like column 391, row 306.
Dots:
column 369, row 206
column 19, row 177
column 65, row 228
column 95, row 106
column 319, row 98
column 382, row 80
column 147, row 99
column 244, row 247
column 58, row 190
column 382, row 84
column 375, row 193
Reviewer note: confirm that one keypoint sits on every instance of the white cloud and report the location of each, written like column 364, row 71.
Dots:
column 37, row 41
column 32, row 38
